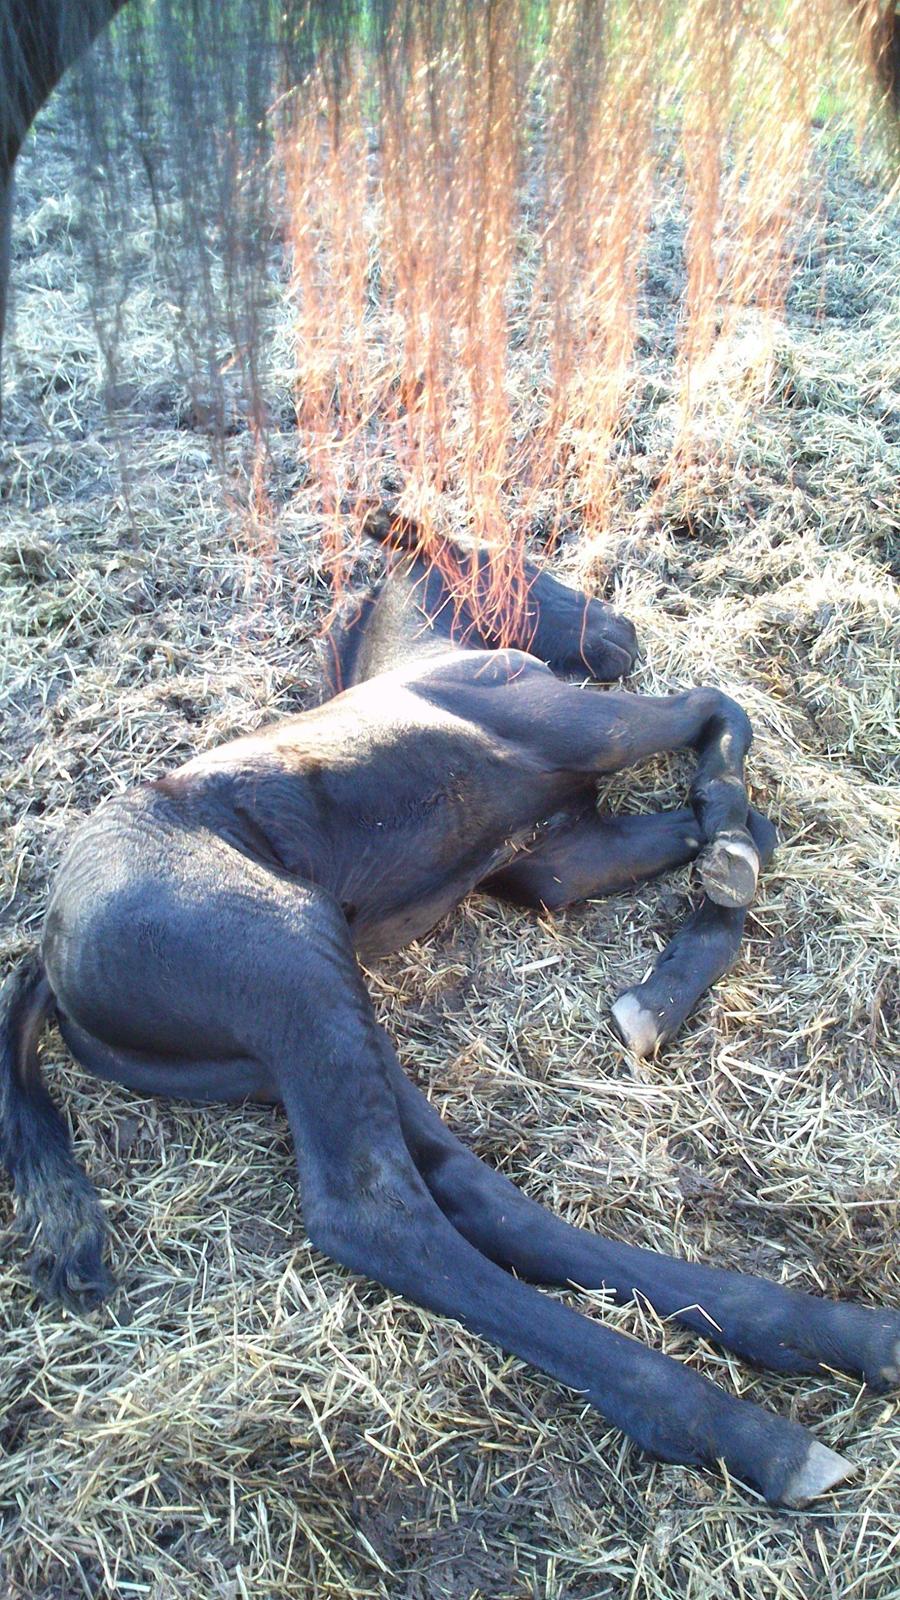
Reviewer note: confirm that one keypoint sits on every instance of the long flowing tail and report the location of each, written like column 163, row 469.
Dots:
column 56, row 1202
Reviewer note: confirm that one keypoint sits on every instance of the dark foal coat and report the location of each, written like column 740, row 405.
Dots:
column 202, row 941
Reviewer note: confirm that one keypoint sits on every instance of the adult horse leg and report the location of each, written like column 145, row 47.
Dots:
column 6, row 210
column 39, row 41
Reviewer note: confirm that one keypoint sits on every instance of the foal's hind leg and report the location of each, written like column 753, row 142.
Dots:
column 252, row 969
column 774, row 1327
column 367, row 1204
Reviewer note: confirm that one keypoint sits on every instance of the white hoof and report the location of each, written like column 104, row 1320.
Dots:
column 891, row 1372
column 821, row 1470
column 637, row 1027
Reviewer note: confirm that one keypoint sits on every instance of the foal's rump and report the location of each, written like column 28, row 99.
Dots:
column 166, row 950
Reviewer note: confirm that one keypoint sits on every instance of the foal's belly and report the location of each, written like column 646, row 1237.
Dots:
column 378, row 934
column 399, row 908
column 383, row 923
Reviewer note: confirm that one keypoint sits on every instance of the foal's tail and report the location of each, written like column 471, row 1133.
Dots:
column 56, row 1202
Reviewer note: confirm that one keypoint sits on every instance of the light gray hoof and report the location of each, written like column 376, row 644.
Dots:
column 729, row 869
column 821, row 1471
column 638, row 1028
column 890, row 1373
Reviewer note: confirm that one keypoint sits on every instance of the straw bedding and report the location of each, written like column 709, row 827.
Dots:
column 248, row 1420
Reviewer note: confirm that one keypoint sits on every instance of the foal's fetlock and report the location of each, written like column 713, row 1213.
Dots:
column 729, row 868
column 709, row 1428
column 863, row 1341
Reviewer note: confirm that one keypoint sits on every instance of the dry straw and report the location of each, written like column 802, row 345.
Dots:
column 471, row 206
column 248, row 1420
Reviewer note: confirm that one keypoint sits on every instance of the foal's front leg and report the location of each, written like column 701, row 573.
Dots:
column 603, row 731
column 702, row 951
column 719, row 731
column 598, row 856
column 595, row 856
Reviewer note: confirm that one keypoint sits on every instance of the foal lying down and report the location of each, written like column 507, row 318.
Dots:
column 202, row 941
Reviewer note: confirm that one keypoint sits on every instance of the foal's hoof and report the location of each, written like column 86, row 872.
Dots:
column 729, row 869
column 637, row 1026
column 822, row 1470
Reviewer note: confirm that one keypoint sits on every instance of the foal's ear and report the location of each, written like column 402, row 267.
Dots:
column 338, row 649
column 385, row 524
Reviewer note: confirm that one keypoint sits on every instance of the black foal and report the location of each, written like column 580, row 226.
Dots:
column 202, row 941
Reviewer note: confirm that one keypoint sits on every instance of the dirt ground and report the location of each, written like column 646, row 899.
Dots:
column 247, row 1420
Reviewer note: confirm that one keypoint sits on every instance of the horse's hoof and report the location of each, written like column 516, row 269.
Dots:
column 637, row 1027
column 729, row 869
column 822, row 1470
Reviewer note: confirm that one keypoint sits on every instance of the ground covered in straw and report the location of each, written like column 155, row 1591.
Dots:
column 248, row 1420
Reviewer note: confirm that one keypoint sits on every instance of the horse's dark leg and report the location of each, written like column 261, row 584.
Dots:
column 593, row 732
column 596, row 856
column 6, row 208
column 184, row 950
column 39, row 41
column 604, row 855
column 704, row 948
column 778, row 1328
column 719, row 730
column 366, row 1204
column 701, row 952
